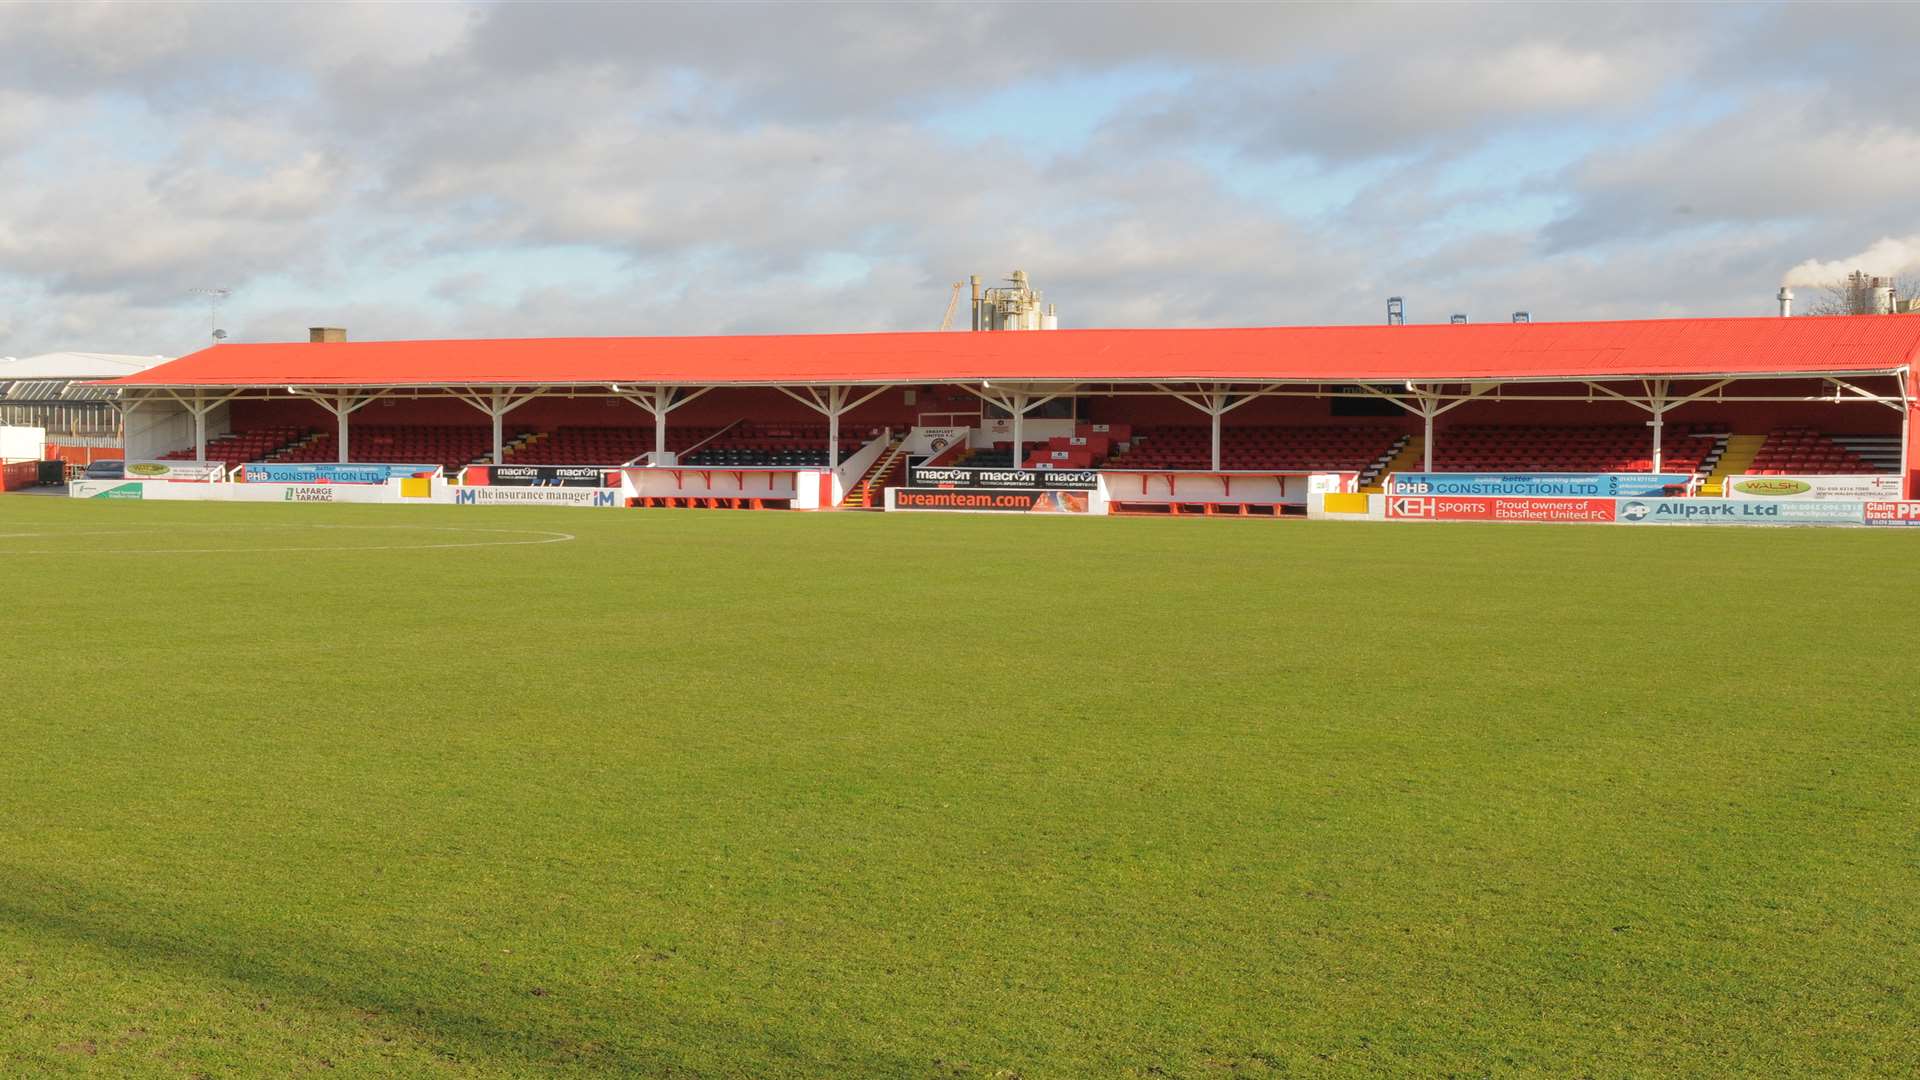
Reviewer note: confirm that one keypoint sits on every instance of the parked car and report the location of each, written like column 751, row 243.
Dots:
column 107, row 470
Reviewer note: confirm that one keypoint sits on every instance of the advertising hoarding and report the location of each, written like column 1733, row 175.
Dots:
column 1538, row 485
column 580, row 476
column 194, row 472
column 1868, row 488
column 1496, row 508
column 989, row 500
column 1891, row 512
column 1738, row 512
column 536, row 496
column 961, row 477
column 283, row 472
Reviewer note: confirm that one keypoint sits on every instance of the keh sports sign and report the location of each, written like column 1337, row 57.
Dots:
column 1537, row 485
column 1496, row 508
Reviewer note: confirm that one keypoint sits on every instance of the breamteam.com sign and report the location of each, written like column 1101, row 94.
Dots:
column 282, row 472
column 1738, row 512
column 535, row 496
column 941, row 477
column 991, row 501
column 1537, row 485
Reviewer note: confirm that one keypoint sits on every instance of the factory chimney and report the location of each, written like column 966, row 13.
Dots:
column 1786, row 302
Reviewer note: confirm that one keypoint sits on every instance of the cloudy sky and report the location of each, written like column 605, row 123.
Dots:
column 497, row 169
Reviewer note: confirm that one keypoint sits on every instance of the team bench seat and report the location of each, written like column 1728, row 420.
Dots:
column 1206, row 509
column 708, row 502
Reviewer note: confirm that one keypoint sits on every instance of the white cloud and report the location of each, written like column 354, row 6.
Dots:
column 415, row 170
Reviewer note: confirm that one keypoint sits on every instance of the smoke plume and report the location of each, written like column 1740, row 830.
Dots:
column 1888, row 256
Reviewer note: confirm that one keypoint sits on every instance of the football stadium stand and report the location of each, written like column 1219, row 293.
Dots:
column 1702, row 398
column 1304, row 449
column 1689, row 448
column 1803, row 450
column 448, row 446
column 255, row 444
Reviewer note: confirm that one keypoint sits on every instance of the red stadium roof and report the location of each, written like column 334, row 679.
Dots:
column 1494, row 351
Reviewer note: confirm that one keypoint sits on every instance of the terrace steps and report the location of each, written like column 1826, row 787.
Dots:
column 1740, row 452
column 863, row 494
column 1412, row 453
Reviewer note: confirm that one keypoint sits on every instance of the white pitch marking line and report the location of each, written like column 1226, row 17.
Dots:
column 545, row 537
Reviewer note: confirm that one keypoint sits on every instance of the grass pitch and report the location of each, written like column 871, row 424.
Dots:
column 286, row 789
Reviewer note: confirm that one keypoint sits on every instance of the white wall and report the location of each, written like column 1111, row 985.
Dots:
column 1126, row 487
column 701, row 483
column 22, row 443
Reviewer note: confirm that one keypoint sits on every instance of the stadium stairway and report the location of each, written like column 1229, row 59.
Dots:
column 869, row 493
column 1739, row 454
column 1406, row 457
column 281, row 454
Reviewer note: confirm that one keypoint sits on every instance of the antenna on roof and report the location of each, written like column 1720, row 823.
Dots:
column 214, row 294
column 1457, row 320
column 1523, row 316
column 1396, row 311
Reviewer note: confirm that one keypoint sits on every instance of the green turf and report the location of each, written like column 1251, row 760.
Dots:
column 768, row 795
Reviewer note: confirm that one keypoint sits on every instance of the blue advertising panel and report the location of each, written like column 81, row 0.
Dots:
column 1539, row 485
column 1738, row 512
column 359, row 472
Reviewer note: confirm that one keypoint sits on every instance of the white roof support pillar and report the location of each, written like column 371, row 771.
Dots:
column 658, row 401
column 342, row 404
column 1216, row 400
column 1659, row 401
column 496, row 404
column 1426, row 403
column 1017, row 404
column 838, row 402
column 197, row 406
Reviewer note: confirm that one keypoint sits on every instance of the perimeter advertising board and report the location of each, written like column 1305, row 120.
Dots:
column 193, row 472
column 1870, row 488
column 1537, row 485
column 1063, row 479
column 536, row 496
column 1738, row 512
column 988, row 500
column 1496, row 508
column 579, row 476
column 1891, row 513
column 281, row 472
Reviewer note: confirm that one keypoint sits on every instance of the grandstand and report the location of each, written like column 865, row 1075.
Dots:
column 1700, row 398
column 56, row 393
